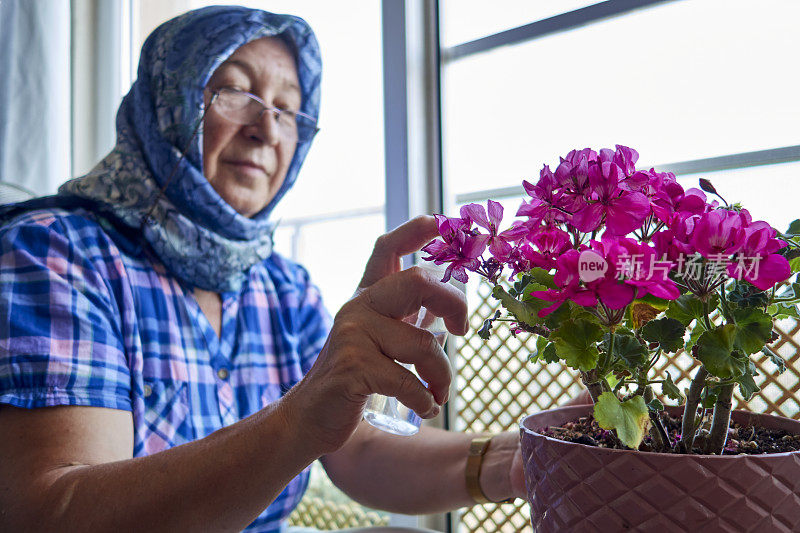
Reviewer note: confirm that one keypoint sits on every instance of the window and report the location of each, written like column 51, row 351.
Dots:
column 677, row 81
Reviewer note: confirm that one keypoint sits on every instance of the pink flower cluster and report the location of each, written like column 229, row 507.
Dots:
column 731, row 238
column 590, row 193
column 615, row 289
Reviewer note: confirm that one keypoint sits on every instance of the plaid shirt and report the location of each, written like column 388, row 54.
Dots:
column 84, row 320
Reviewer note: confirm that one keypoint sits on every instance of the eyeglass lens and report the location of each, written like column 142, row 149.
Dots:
column 241, row 108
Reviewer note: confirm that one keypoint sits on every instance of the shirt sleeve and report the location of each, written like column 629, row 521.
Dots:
column 60, row 334
column 315, row 323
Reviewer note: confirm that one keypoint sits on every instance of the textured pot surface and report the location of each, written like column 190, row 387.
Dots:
column 574, row 487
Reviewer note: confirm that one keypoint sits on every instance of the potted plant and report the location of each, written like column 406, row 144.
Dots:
column 611, row 268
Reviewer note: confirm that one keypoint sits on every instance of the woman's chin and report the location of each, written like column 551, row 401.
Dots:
column 246, row 203
column 246, row 195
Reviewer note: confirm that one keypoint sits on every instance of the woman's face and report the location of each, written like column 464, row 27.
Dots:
column 246, row 165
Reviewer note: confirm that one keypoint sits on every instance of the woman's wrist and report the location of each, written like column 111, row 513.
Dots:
column 488, row 468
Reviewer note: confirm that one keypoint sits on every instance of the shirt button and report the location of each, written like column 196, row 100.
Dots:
column 148, row 390
column 222, row 373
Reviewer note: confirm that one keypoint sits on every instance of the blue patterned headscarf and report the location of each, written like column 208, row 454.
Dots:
column 199, row 237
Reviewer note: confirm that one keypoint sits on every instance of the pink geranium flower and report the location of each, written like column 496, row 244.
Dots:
column 641, row 267
column 500, row 243
column 550, row 244
column 674, row 243
column 757, row 261
column 623, row 211
column 667, row 196
column 460, row 246
column 568, row 280
column 719, row 234
column 547, row 200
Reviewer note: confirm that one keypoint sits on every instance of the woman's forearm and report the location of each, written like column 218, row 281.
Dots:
column 421, row 474
column 219, row 483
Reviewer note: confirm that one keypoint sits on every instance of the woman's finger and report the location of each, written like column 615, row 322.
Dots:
column 389, row 248
column 411, row 345
column 390, row 379
column 401, row 295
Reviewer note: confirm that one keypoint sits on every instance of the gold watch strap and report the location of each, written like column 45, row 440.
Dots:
column 477, row 449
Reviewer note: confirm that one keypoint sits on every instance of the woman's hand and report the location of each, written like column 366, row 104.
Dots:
column 369, row 334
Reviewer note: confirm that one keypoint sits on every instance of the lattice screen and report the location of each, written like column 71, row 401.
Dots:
column 325, row 507
column 498, row 386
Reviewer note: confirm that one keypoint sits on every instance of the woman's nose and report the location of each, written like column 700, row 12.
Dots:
column 267, row 128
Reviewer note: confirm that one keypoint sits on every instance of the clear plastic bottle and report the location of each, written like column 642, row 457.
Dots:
column 386, row 412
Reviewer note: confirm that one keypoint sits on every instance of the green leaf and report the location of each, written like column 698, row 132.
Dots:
column 689, row 307
column 628, row 418
column 541, row 344
column 794, row 264
column 776, row 359
column 649, row 299
column 520, row 286
column 643, row 309
column 576, row 343
column 624, row 331
column 557, row 317
column 670, row 390
column 549, row 354
column 753, row 329
column 716, row 352
column 747, row 386
column 485, row 330
column 745, row 294
column 697, row 330
column 794, row 228
column 783, row 310
column 667, row 332
column 525, row 293
column 578, row 311
column 543, row 277
column 627, row 348
column 523, row 312
column 709, row 398
column 655, row 405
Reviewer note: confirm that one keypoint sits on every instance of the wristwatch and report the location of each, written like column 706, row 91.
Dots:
column 477, row 450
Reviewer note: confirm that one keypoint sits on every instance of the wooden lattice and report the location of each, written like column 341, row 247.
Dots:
column 327, row 515
column 325, row 507
column 498, row 386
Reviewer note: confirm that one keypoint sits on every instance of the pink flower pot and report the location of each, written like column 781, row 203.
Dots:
column 574, row 487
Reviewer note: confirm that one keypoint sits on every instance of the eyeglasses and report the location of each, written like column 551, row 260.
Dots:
column 245, row 109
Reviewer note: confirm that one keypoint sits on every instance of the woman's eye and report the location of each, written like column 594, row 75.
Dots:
column 286, row 107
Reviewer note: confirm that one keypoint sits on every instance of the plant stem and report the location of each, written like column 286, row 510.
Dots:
column 592, row 383
column 690, row 410
column 721, row 420
column 706, row 312
column 657, row 430
column 611, row 343
column 725, row 310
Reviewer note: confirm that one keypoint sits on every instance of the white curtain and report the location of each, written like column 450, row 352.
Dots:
column 35, row 93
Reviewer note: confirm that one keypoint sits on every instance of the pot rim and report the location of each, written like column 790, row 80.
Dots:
column 524, row 429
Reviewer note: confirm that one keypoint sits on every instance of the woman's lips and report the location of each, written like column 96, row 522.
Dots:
column 249, row 168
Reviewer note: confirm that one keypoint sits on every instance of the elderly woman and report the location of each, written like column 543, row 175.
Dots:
column 161, row 368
